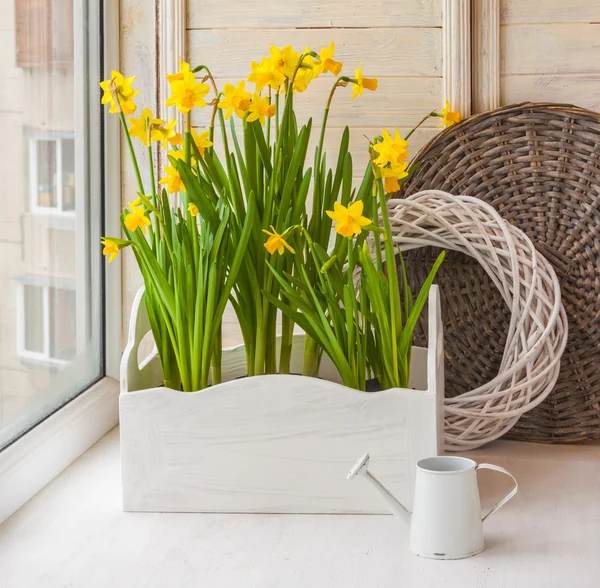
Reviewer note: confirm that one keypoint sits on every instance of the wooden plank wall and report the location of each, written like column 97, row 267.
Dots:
column 398, row 41
column 550, row 51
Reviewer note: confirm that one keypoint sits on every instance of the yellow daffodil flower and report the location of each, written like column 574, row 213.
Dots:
column 167, row 134
column 136, row 218
column 349, row 221
column 193, row 210
column 184, row 68
column 119, row 87
column 360, row 83
column 285, row 60
column 449, row 118
column 302, row 79
column 392, row 175
column 202, row 140
column 172, row 180
column 145, row 127
column 327, row 63
column 111, row 249
column 236, row 99
column 276, row 242
column 260, row 108
column 176, row 140
column 265, row 74
column 391, row 150
column 187, row 93
column 149, row 129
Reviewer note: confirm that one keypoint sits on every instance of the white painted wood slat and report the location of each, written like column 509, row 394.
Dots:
column 579, row 89
column 383, row 52
column 548, row 11
column 214, row 14
column 550, row 48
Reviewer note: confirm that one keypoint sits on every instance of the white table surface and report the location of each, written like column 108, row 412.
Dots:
column 73, row 534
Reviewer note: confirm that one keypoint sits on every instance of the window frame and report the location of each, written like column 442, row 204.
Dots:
column 32, row 172
column 36, row 457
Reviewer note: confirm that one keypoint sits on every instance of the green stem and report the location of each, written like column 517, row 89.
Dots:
column 426, row 117
column 287, row 334
column 216, row 358
column 136, row 167
column 392, row 279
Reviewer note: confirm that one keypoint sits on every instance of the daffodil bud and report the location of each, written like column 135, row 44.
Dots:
column 328, row 264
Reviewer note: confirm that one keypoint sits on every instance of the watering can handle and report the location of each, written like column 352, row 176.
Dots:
column 489, row 466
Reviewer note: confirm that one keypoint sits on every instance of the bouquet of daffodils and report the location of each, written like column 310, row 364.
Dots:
column 253, row 224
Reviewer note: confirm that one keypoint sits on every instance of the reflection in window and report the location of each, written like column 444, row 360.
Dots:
column 48, row 323
column 52, row 174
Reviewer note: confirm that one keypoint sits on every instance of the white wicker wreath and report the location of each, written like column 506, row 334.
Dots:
column 537, row 333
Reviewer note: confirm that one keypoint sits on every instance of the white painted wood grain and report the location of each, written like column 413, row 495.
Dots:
column 383, row 52
column 550, row 48
column 216, row 14
column 579, row 89
column 457, row 54
column 485, row 54
column 398, row 102
column 278, row 443
column 547, row 11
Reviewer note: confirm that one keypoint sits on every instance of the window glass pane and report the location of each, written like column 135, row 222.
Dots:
column 45, row 168
column 63, row 331
column 68, row 174
column 33, row 318
column 50, row 256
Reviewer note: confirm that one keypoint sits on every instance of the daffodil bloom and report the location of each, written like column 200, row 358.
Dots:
column 449, row 118
column 327, row 63
column 193, row 210
column 172, row 179
column 136, row 219
column 201, row 140
column 119, row 87
column 167, row 134
column 360, row 83
column 145, row 128
column 391, row 150
column 176, row 140
column 392, row 175
column 236, row 98
column 265, row 74
column 111, row 249
column 184, row 68
column 349, row 221
column 285, row 60
column 276, row 242
column 303, row 78
column 260, row 108
column 187, row 93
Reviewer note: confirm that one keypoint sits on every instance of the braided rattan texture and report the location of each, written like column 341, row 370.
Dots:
column 538, row 165
column 537, row 329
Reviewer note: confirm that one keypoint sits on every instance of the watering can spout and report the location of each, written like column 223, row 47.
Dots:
column 361, row 468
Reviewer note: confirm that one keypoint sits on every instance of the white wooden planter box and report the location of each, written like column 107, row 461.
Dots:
column 277, row 443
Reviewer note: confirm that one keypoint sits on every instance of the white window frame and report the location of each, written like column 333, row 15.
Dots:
column 33, row 460
column 22, row 351
column 57, row 137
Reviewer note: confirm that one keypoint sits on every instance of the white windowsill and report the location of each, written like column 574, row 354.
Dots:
column 35, row 459
column 74, row 533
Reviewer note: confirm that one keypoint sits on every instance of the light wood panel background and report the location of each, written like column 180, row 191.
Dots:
column 398, row 41
column 550, row 50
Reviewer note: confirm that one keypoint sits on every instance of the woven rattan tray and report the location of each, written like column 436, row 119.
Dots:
column 539, row 166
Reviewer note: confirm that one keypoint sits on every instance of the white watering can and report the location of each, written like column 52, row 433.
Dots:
column 446, row 522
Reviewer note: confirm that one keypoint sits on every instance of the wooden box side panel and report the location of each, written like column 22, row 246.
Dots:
column 270, row 444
